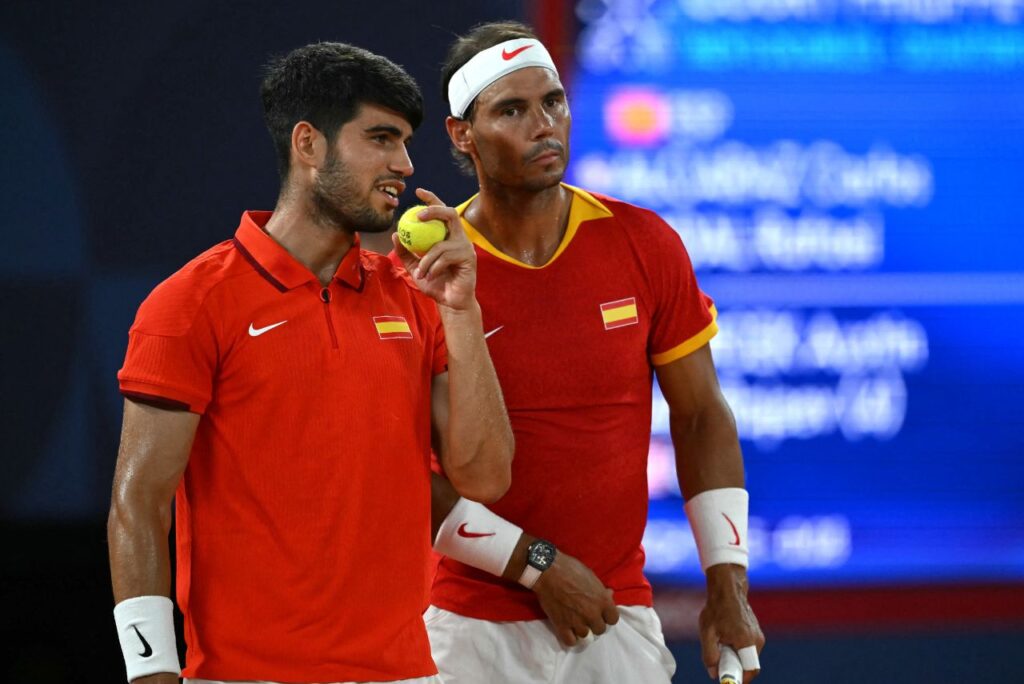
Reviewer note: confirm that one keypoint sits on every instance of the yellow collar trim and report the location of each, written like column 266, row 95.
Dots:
column 585, row 207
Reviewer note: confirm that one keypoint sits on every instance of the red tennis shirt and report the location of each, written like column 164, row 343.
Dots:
column 574, row 343
column 303, row 517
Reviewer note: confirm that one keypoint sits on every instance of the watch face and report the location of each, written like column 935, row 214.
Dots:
column 541, row 554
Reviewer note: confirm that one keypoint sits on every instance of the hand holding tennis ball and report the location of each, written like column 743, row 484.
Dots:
column 419, row 236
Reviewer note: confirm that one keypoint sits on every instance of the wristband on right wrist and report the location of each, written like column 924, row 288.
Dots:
column 473, row 535
column 145, row 628
column 718, row 518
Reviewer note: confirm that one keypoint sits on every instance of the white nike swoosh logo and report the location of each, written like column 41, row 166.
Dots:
column 488, row 334
column 256, row 332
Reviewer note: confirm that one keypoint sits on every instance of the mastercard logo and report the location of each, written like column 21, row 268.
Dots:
column 637, row 116
column 727, row 679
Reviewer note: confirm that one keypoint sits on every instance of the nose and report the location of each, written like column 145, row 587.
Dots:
column 401, row 162
column 544, row 124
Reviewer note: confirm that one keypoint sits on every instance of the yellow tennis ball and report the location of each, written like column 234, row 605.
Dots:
column 419, row 236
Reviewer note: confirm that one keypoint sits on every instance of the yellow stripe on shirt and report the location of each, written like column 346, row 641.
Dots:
column 689, row 346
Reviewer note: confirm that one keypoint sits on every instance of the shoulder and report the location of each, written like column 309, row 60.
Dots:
column 173, row 306
column 639, row 223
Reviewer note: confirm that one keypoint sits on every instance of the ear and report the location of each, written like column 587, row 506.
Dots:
column 309, row 146
column 461, row 133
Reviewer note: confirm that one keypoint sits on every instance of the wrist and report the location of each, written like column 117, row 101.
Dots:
column 540, row 556
column 517, row 561
column 145, row 630
column 727, row 579
column 719, row 521
column 470, row 312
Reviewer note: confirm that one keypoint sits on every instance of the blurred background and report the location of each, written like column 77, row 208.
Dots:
column 847, row 175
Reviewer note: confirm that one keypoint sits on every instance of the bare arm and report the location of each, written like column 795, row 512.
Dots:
column 155, row 444
column 708, row 457
column 472, row 435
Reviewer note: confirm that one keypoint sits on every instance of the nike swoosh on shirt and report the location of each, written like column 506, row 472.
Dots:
column 737, row 542
column 488, row 334
column 463, row 532
column 506, row 55
column 256, row 332
column 147, row 650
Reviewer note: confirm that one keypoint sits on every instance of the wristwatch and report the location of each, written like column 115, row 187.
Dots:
column 539, row 557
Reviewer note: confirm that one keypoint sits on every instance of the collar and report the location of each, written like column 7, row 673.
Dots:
column 585, row 207
column 281, row 269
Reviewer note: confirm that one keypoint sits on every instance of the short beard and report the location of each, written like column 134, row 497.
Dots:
column 338, row 202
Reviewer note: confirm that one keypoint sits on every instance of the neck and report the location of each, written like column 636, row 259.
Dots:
column 527, row 225
column 316, row 244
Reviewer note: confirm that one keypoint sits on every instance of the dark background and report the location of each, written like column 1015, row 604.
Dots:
column 132, row 140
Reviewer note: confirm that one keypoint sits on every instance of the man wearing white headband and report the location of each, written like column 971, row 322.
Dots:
column 583, row 296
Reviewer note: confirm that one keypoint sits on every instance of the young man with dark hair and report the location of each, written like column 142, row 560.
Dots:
column 584, row 297
column 285, row 388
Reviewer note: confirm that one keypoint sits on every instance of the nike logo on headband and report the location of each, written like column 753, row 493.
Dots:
column 506, row 55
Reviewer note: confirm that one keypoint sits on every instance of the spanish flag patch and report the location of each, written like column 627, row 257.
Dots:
column 392, row 328
column 619, row 314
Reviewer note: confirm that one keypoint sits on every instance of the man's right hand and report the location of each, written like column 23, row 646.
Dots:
column 574, row 599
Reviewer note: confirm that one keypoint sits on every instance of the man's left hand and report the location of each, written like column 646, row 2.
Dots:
column 727, row 617
column 447, row 272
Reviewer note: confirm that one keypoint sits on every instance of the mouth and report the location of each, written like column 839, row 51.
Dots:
column 547, row 157
column 549, row 152
column 391, row 189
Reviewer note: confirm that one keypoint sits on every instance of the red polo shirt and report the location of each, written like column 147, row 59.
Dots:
column 303, row 517
column 575, row 343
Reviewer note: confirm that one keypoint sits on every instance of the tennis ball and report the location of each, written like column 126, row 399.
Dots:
column 419, row 236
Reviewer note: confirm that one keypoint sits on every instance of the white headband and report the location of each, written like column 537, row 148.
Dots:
column 487, row 66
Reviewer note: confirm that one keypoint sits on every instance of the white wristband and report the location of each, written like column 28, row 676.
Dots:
column 473, row 535
column 145, row 628
column 718, row 518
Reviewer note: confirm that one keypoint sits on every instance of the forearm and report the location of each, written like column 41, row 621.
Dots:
column 479, row 440
column 139, row 556
column 707, row 450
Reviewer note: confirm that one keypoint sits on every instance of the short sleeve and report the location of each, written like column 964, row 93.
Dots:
column 683, row 317
column 172, row 352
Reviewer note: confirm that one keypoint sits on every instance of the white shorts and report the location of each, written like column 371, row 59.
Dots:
column 469, row 651
column 419, row 680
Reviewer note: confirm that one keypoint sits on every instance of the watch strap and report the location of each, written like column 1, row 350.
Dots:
column 530, row 576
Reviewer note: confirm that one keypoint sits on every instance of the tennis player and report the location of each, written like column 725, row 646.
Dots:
column 284, row 388
column 584, row 297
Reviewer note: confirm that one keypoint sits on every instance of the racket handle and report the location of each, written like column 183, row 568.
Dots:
column 729, row 669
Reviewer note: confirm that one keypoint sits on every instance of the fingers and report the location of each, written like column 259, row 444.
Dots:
column 566, row 635
column 709, row 651
column 610, row 613
column 429, row 198
column 436, row 209
column 441, row 257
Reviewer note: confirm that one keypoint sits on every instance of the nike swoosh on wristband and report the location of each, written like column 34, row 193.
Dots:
column 256, row 332
column 737, row 542
column 147, row 649
column 506, row 55
column 488, row 334
column 463, row 532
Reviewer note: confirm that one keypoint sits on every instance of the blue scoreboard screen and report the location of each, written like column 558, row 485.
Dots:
column 848, row 177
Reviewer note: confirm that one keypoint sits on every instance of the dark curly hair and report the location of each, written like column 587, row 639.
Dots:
column 479, row 38
column 325, row 84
